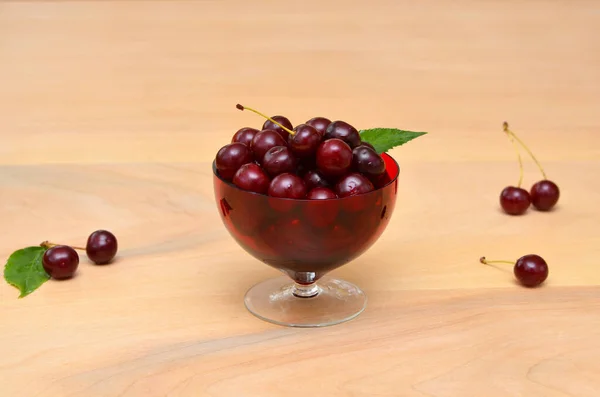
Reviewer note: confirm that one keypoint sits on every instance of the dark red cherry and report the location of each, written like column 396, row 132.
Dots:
column 252, row 178
column 531, row 270
column 544, row 195
column 60, row 262
column 321, row 193
column 278, row 160
column 287, row 186
column 334, row 158
column 314, row 179
column 305, row 141
column 514, row 200
column 265, row 140
column 353, row 184
column 269, row 125
column 244, row 135
column 230, row 158
column 366, row 161
column 344, row 131
column 101, row 247
column 319, row 123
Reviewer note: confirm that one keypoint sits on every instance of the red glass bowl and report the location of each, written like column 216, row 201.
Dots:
column 306, row 239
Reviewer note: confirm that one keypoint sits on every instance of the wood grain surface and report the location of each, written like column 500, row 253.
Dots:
column 111, row 113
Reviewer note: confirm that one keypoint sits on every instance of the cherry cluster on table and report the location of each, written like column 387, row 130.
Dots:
column 61, row 261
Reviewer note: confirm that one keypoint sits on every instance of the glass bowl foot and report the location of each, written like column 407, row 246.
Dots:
column 329, row 301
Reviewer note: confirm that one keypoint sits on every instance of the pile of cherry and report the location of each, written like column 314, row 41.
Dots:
column 319, row 159
column 531, row 270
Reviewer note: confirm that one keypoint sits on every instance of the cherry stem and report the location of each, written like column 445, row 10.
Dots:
column 48, row 244
column 486, row 262
column 265, row 116
column 505, row 125
column 520, row 159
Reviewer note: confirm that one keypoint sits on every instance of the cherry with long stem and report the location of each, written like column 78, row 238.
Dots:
column 530, row 270
column 515, row 200
column 545, row 193
column 240, row 107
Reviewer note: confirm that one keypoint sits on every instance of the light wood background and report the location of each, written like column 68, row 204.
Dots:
column 111, row 112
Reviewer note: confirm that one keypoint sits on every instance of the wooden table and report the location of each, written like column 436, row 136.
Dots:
column 111, row 112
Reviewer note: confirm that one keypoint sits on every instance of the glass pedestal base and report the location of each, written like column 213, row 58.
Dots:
column 329, row 301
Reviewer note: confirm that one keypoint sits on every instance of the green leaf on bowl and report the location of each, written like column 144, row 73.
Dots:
column 24, row 270
column 384, row 139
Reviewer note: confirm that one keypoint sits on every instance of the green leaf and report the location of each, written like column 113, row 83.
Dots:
column 383, row 139
column 25, row 271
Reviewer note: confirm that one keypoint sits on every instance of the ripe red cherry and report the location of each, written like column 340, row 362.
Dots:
column 252, row 178
column 269, row 125
column 287, row 186
column 60, row 262
column 544, row 195
column 514, row 200
column 230, row 158
column 314, row 179
column 344, row 131
column 101, row 247
column 366, row 161
column 530, row 270
column 334, row 158
column 244, row 135
column 278, row 160
column 305, row 141
column 265, row 140
column 319, row 123
column 353, row 184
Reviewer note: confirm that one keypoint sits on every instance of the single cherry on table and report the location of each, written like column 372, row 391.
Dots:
column 530, row 270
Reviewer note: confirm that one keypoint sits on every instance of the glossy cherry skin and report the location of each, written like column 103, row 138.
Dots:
column 269, row 125
column 353, row 184
column 366, row 161
column 344, row 131
column 319, row 123
column 279, row 160
column 334, row 158
column 265, row 140
column 252, row 178
column 101, row 247
column 514, row 200
column 544, row 195
column 531, row 270
column 231, row 157
column 60, row 262
column 244, row 135
column 321, row 193
column 305, row 141
column 314, row 179
column 287, row 186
